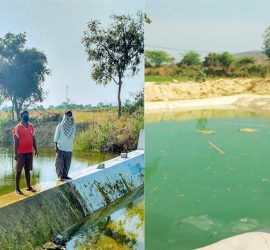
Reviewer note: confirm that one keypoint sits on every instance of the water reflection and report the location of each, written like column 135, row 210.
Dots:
column 201, row 124
column 175, row 115
column 122, row 229
column 43, row 166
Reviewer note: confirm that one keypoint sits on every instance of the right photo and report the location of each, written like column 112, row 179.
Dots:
column 207, row 125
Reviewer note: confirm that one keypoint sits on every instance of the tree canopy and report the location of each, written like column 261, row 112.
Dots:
column 191, row 58
column 22, row 72
column 157, row 58
column 218, row 64
column 266, row 42
column 115, row 52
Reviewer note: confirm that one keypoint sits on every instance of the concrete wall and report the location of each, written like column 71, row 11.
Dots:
column 33, row 221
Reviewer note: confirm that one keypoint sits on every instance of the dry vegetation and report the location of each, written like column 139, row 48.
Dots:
column 98, row 130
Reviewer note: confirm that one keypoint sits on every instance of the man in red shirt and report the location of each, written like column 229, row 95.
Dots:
column 24, row 143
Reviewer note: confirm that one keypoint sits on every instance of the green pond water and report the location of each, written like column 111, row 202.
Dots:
column 43, row 166
column 120, row 227
column 194, row 196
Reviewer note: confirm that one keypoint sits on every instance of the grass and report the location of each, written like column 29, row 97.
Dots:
column 164, row 79
column 108, row 133
column 169, row 79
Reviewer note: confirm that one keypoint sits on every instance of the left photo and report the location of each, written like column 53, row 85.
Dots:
column 72, row 125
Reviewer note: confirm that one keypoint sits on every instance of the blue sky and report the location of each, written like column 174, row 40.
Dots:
column 233, row 26
column 56, row 28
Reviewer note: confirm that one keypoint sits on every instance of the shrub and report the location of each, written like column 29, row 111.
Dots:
column 97, row 137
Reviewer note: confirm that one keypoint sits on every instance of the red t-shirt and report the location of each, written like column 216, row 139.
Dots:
column 25, row 135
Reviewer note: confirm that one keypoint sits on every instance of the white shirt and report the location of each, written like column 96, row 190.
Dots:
column 64, row 143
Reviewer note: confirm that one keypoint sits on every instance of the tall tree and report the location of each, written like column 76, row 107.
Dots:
column 115, row 52
column 266, row 42
column 22, row 72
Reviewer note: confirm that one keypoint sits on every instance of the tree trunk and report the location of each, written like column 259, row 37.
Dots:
column 18, row 113
column 17, row 109
column 12, row 112
column 119, row 98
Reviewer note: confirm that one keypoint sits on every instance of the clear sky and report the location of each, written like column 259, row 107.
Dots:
column 56, row 28
column 216, row 25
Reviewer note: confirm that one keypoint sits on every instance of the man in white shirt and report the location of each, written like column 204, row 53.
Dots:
column 63, row 138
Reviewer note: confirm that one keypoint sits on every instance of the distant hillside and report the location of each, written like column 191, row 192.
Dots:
column 259, row 55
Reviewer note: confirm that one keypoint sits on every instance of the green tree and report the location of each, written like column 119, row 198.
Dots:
column 218, row 64
column 225, row 60
column 266, row 42
column 157, row 58
column 212, row 64
column 22, row 72
column 191, row 58
column 115, row 52
column 211, row 60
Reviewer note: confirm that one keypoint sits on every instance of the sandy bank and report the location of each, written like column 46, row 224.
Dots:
column 208, row 89
column 260, row 102
column 220, row 93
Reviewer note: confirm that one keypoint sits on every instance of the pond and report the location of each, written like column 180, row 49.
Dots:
column 43, row 166
column 121, row 227
column 204, row 187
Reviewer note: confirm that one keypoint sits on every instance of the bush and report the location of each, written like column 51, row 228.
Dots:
column 176, row 71
column 248, row 70
column 109, row 136
column 97, row 137
column 151, row 71
column 201, row 77
column 138, row 103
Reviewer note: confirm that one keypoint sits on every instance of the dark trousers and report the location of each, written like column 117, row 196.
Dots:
column 24, row 161
column 62, row 163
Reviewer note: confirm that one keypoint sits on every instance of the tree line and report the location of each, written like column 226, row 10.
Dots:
column 213, row 64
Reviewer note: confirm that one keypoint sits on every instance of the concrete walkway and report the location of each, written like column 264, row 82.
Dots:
column 12, row 197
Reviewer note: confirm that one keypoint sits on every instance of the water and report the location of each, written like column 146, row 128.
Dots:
column 121, row 227
column 195, row 196
column 43, row 166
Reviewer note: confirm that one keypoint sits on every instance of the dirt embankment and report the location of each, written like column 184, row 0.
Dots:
column 212, row 88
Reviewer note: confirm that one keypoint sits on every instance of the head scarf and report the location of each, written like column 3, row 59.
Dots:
column 68, row 124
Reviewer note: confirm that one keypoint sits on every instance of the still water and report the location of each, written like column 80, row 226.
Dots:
column 194, row 195
column 43, row 166
column 120, row 228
